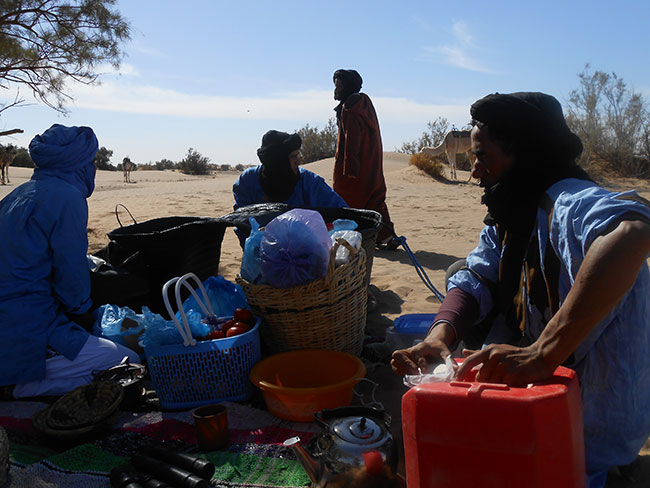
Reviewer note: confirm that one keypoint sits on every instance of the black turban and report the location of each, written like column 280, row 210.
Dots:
column 532, row 122
column 276, row 177
column 352, row 81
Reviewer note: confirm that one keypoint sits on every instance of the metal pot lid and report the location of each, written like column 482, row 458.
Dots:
column 359, row 430
column 125, row 374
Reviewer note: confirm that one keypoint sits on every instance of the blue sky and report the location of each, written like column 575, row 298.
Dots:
column 215, row 75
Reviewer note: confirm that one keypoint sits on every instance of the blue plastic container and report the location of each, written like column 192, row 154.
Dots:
column 414, row 323
column 208, row 372
column 408, row 329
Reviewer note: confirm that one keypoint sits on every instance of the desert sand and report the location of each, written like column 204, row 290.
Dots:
column 440, row 219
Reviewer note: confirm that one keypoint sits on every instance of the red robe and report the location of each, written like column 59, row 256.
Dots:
column 358, row 166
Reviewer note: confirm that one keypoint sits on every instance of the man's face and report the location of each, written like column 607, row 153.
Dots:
column 338, row 89
column 295, row 159
column 491, row 162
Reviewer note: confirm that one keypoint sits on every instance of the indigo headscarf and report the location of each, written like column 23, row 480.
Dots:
column 277, row 178
column 66, row 152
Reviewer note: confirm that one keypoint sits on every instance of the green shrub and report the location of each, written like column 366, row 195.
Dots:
column 194, row 163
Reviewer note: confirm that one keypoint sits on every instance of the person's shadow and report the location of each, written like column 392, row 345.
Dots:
column 427, row 259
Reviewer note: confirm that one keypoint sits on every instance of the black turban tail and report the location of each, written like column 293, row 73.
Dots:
column 277, row 179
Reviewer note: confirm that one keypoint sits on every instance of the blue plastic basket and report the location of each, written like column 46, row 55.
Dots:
column 208, row 372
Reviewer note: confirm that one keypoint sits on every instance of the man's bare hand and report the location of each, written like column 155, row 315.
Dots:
column 510, row 365
column 407, row 361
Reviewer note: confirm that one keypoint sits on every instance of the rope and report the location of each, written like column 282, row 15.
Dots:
column 418, row 267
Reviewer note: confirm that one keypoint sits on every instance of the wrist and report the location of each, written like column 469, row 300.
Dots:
column 443, row 331
column 548, row 354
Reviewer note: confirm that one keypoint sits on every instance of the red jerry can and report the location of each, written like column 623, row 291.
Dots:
column 469, row 434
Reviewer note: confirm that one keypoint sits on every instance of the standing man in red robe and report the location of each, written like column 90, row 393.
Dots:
column 358, row 167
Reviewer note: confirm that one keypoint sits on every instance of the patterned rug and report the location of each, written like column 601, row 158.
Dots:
column 255, row 456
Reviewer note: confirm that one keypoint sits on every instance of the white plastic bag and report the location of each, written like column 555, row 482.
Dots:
column 342, row 254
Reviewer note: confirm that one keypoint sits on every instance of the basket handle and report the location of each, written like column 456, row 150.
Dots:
column 182, row 281
column 339, row 242
column 117, row 216
column 185, row 333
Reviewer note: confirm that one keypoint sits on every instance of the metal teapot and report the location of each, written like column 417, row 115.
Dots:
column 354, row 445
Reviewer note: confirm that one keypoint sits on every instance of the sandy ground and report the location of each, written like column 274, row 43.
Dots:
column 441, row 221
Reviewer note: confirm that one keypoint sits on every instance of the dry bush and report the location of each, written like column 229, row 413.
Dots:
column 431, row 165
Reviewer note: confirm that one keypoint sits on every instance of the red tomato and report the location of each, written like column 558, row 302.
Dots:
column 215, row 334
column 235, row 331
column 243, row 325
column 243, row 315
column 228, row 325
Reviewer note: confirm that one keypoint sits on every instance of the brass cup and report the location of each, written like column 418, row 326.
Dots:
column 211, row 423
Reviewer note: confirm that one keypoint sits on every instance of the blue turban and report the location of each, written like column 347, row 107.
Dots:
column 66, row 150
column 64, row 147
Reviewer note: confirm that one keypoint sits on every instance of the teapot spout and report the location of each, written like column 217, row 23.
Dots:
column 311, row 466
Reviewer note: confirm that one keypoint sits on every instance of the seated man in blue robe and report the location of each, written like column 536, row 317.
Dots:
column 559, row 277
column 280, row 178
column 44, row 274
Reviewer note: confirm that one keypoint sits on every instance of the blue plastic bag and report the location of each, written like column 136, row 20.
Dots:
column 110, row 323
column 162, row 332
column 295, row 249
column 251, row 265
column 224, row 297
column 343, row 224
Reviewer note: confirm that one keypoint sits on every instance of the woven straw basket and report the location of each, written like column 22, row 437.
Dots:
column 329, row 313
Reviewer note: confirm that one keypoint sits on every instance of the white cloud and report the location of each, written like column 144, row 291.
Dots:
column 148, row 50
column 460, row 53
column 308, row 105
column 125, row 70
column 461, row 31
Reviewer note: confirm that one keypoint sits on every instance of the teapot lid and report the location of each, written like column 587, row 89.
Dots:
column 359, row 430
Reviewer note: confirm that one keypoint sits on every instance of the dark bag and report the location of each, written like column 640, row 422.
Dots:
column 152, row 252
column 123, row 280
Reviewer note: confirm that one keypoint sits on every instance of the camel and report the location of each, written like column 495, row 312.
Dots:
column 6, row 158
column 454, row 142
column 127, row 167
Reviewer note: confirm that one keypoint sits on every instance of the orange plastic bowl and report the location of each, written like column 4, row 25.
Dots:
column 297, row 384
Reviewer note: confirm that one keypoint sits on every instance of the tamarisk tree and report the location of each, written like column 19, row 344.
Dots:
column 44, row 43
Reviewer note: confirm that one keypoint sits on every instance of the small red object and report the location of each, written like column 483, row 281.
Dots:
column 374, row 462
column 215, row 334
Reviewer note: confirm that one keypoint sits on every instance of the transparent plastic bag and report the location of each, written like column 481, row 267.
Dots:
column 445, row 372
column 295, row 249
column 353, row 238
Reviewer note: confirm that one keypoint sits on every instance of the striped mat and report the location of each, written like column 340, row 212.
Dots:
column 254, row 458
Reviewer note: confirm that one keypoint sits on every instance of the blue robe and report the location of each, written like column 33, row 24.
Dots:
column 44, row 271
column 311, row 190
column 613, row 362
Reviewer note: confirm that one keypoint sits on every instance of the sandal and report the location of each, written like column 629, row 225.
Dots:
column 390, row 245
